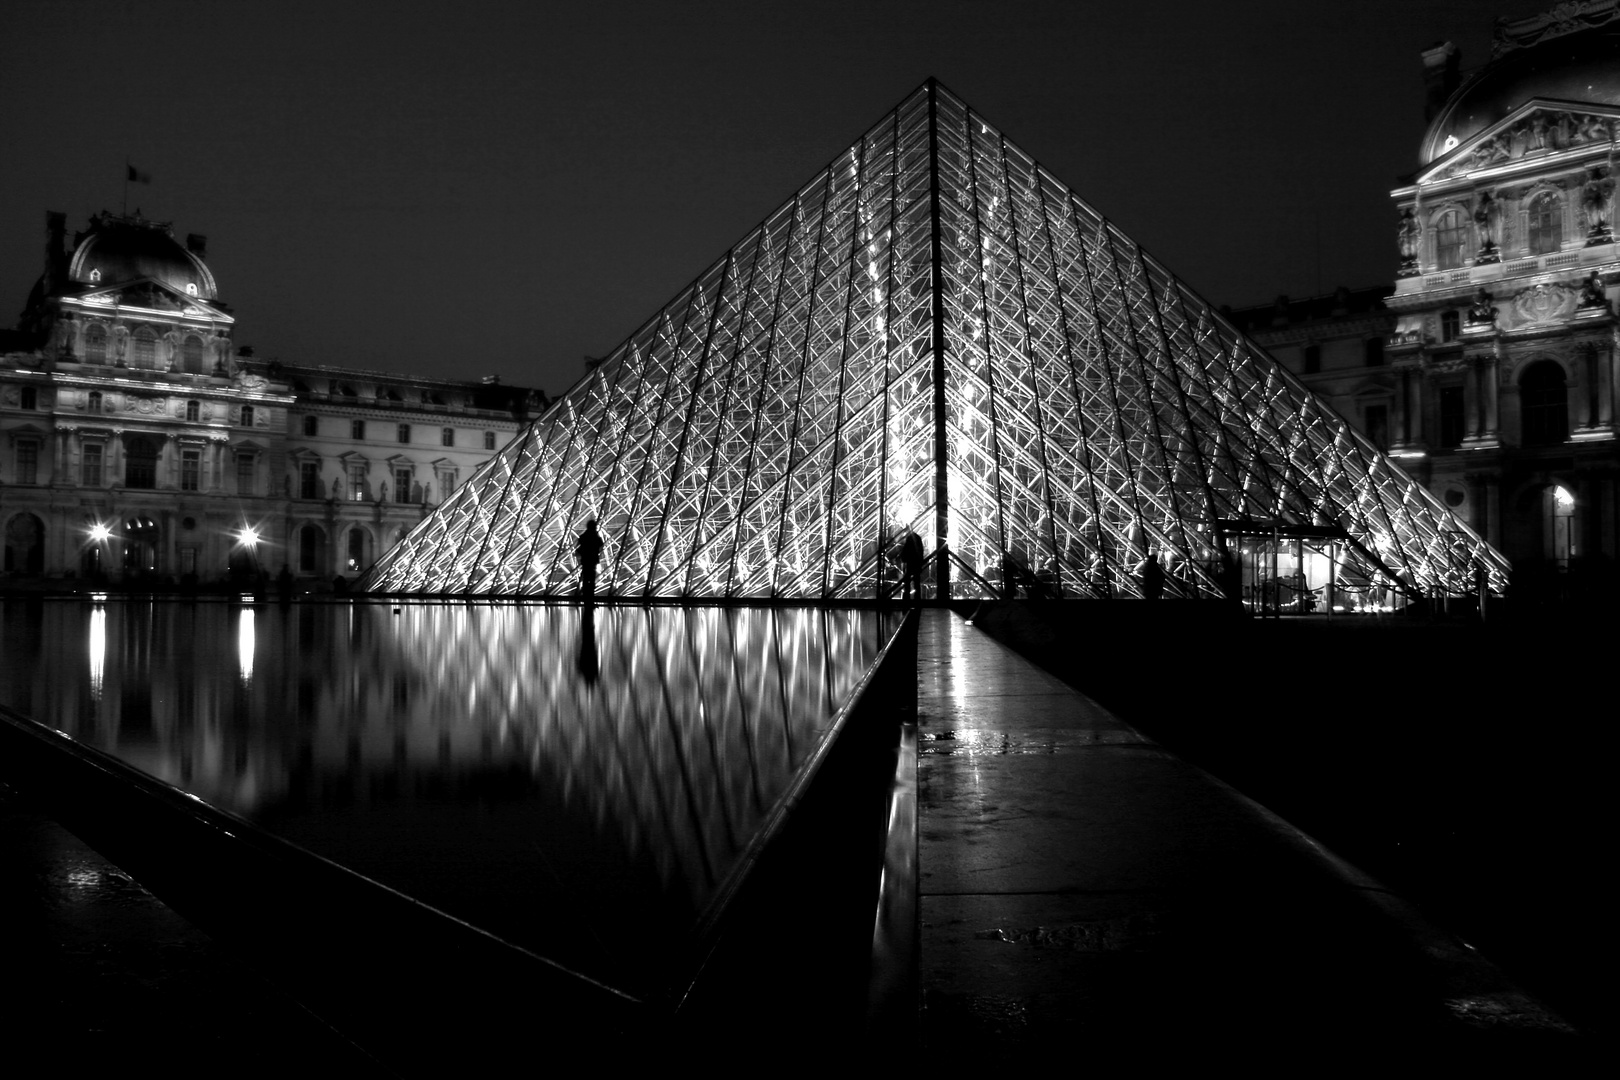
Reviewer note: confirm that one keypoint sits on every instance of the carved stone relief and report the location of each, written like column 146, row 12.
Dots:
column 1543, row 303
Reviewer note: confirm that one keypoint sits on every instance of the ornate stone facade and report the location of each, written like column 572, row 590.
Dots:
column 136, row 442
column 1497, row 385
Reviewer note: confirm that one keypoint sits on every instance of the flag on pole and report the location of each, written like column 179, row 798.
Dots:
column 136, row 176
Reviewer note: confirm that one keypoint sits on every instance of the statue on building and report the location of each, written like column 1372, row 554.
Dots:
column 1592, row 295
column 1409, row 236
column 1482, row 311
column 1488, row 219
column 1595, row 203
column 1537, row 137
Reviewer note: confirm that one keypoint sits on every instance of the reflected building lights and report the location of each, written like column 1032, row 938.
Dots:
column 98, row 647
column 245, row 645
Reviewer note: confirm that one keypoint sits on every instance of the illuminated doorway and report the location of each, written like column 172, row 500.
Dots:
column 140, row 546
column 1558, row 526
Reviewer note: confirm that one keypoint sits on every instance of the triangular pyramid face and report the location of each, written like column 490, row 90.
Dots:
column 933, row 335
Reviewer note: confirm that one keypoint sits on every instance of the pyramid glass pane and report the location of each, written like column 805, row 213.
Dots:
column 933, row 335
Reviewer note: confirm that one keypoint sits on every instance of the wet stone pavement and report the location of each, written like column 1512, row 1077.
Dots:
column 1082, row 889
column 103, row 976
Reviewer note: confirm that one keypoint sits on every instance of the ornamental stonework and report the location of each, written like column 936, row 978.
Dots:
column 1543, row 303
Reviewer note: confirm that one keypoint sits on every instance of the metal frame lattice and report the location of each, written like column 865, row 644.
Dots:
column 934, row 334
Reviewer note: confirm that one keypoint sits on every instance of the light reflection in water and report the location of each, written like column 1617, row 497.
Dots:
column 244, row 645
column 98, row 649
column 582, row 785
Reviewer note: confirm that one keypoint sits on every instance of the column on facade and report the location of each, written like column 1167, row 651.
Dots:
column 1491, row 425
column 60, row 454
column 1414, row 407
column 1402, row 403
column 1603, row 382
column 1473, row 400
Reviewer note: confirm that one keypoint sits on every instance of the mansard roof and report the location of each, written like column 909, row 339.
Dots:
column 1578, row 64
column 118, row 249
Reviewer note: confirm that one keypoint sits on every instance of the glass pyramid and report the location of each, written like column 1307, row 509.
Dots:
column 933, row 335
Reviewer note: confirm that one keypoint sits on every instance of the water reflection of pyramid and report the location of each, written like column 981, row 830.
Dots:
column 933, row 334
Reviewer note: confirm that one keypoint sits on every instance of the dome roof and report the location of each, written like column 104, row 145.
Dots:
column 1583, row 67
column 127, row 249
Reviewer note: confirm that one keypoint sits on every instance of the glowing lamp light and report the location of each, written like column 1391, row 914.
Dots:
column 1562, row 496
column 100, row 533
column 248, row 537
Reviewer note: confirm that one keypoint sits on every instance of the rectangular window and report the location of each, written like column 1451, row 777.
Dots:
column 1545, row 234
column 402, row 485
column 1450, row 325
column 309, row 480
column 447, row 437
column 404, row 433
column 1448, row 241
column 244, row 474
column 447, row 483
column 90, row 465
column 489, row 440
column 1378, row 426
column 190, row 470
column 193, row 411
column 1451, row 417
column 1374, row 352
column 357, row 482
column 27, row 462
column 1313, row 359
column 247, row 416
column 357, row 429
column 312, row 426
column 30, row 397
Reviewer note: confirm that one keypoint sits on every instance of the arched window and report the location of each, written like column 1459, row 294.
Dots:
column 1450, row 238
column 1543, row 404
column 145, row 349
column 25, row 545
column 95, row 344
column 191, row 354
column 1546, row 224
column 358, row 550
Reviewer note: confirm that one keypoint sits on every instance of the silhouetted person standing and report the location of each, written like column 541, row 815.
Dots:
column 588, row 551
column 911, row 565
column 1152, row 577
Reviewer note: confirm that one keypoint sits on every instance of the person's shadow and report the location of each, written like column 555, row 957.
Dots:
column 586, row 661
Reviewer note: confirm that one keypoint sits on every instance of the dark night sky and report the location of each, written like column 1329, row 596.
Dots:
column 466, row 189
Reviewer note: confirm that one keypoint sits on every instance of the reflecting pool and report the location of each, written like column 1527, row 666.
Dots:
column 579, row 784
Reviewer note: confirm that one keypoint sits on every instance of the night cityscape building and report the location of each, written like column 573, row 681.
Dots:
column 137, row 441
column 1495, row 385
column 936, row 338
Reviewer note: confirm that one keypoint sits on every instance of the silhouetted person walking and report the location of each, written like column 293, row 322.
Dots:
column 588, row 551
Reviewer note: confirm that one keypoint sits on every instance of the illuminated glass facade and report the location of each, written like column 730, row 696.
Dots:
column 933, row 335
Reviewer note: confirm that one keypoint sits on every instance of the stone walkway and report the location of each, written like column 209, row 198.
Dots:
column 1082, row 889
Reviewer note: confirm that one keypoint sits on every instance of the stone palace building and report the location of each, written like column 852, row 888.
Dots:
column 136, row 441
column 1488, row 370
